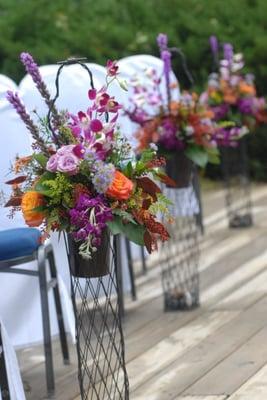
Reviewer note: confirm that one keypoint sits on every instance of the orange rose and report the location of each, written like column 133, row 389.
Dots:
column 121, row 187
column 31, row 200
column 247, row 89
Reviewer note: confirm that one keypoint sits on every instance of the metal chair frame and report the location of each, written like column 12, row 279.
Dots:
column 43, row 253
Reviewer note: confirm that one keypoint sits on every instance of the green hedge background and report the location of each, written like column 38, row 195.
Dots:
column 52, row 30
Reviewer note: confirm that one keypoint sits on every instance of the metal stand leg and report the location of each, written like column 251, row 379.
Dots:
column 4, row 387
column 60, row 319
column 130, row 266
column 237, row 185
column 144, row 267
column 117, row 247
column 196, row 186
column 46, row 322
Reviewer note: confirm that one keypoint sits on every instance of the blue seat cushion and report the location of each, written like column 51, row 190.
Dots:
column 18, row 242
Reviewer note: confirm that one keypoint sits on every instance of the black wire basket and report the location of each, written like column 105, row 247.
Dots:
column 96, row 297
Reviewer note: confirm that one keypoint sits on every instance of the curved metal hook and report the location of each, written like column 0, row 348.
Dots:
column 69, row 61
column 184, row 64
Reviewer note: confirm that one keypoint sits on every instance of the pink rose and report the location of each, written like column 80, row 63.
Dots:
column 51, row 164
column 68, row 163
column 65, row 149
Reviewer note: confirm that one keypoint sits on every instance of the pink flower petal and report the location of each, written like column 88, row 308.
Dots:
column 96, row 125
column 92, row 94
column 81, row 115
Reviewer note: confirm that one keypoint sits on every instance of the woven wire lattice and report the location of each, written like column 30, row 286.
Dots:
column 237, row 185
column 180, row 276
column 100, row 343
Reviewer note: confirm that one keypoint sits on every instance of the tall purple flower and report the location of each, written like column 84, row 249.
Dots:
column 162, row 41
column 214, row 45
column 14, row 99
column 166, row 58
column 228, row 52
column 33, row 70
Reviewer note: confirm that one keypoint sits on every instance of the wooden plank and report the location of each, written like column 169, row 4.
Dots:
column 200, row 398
column 167, row 350
column 225, row 247
column 246, row 294
column 239, row 276
column 153, row 330
column 198, row 361
column 254, row 389
column 242, row 364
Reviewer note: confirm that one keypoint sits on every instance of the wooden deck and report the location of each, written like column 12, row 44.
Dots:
column 215, row 352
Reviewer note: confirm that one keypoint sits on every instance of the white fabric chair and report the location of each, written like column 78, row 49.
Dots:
column 25, row 298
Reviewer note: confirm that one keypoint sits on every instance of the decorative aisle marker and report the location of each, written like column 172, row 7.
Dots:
column 231, row 96
column 83, row 182
column 182, row 131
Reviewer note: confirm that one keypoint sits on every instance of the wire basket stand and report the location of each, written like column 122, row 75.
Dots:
column 180, row 275
column 97, row 302
column 237, row 185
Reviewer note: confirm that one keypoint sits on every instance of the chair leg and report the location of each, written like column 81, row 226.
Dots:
column 4, row 387
column 60, row 319
column 50, row 381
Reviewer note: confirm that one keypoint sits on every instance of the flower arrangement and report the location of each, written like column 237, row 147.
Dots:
column 232, row 96
column 82, row 177
column 175, row 126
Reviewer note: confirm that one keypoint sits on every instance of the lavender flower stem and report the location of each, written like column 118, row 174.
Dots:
column 14, row 99
column 33, row 70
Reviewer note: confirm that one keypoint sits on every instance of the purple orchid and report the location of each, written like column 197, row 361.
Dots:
column 89, row 218
column 112, row 68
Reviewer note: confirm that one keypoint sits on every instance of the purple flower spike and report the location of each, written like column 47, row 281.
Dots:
column 214, row 45
column 162, row 41
column 228, row 52
column 31, row 67
column 33, row 70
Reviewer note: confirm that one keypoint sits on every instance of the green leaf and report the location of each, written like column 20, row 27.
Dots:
column 147, row 155
column 41, row 159
column 124, row 215
column 198, row 155
column 128, row 170
column 40, row 186
column 40, row 209
column 135, row 233
column 214, row 156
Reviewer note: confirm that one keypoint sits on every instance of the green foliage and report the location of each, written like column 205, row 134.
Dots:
column 59, row 190
column 198, row 155
column 98, row 30
column 161, row 206
column 135, row 233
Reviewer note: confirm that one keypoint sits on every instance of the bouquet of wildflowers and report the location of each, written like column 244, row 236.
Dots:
column 183, row 125
column 82, row 178
column 232, row 96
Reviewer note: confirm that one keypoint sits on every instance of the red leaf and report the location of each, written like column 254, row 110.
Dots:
column 17, row 180
column 14, row 201
column 148, row 241
column 146, row 204
column 148, row 186
column 167, row 180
